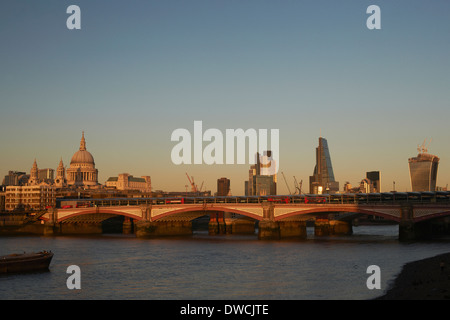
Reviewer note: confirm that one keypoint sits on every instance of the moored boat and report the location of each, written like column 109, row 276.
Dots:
column 25, row 262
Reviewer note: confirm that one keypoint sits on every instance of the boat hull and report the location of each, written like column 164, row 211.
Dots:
column 21, row 263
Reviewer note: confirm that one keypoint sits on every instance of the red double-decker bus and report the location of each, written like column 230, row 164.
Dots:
column 176, row 200
column 278, row 199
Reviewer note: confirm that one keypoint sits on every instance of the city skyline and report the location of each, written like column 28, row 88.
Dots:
column 134, row 73
column 35, row 167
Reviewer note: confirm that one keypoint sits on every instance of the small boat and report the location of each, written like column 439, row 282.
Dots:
column 25, row 262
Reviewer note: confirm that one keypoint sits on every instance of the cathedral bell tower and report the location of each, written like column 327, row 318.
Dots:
column 60, row 180
column 34, row 175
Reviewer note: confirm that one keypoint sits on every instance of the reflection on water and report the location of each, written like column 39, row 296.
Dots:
column 215, row 267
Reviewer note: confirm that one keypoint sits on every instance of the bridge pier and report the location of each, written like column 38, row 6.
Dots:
column 50, row 228
column 408, row 230
column 223, row 223
column 441, row 226
column 292, row 229
column 127, row 227
column 148, row 229
column 269, row 229
column 277, row 230
column 323, row 227
column 242, row 226
column 217, row 223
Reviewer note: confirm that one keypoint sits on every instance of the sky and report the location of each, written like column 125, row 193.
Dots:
column 138, row 70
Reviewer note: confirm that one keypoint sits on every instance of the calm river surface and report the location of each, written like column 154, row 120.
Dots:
column 215, row 267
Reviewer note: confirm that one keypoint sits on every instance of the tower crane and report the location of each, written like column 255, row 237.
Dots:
column 297, row 185
column 286, row 183
column 193, row 187
column 424, row 147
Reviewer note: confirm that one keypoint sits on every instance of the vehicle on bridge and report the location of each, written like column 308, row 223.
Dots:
column 312, row 199
column 84, row 205
column 279, row 199
column 176, row 200
column 69, row 204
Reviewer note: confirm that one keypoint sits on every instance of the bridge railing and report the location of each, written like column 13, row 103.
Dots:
column 344, row 198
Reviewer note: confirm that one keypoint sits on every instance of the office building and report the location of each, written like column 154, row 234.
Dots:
column 366, row 186
column 46, row 175
column 32, row 197
column 2, row 198
column 375, row 180
column 16, row 178
column 423, row 171
column 322, row 181
column 264, row 185
column 126, row 181
column 223, row 187
column 262, row 178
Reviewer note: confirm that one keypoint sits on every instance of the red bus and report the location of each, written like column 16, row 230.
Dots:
column 168, row 201
column 279, row 199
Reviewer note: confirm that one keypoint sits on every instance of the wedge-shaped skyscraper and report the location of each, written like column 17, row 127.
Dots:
column 322, row 181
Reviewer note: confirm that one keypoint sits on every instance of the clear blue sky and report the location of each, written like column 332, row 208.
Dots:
column 137, row 70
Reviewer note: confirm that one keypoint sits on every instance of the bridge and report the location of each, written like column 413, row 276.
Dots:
column 277, row 216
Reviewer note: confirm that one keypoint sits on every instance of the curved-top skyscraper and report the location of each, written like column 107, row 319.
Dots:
column 423, row 170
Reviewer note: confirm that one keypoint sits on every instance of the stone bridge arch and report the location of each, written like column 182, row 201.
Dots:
column 167, row 213
column 390, row 213
column 65, row 215
column 99, row 212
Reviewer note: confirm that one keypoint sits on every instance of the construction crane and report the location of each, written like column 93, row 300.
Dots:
column 296, row 184
column 424, row 148
column 286, row 182
column 193, row 186
column 201, row 186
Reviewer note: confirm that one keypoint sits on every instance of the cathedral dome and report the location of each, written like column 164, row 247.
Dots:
column 82, row 156
column 82, row 172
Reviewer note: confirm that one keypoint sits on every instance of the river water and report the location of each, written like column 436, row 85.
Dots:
column 225, row 267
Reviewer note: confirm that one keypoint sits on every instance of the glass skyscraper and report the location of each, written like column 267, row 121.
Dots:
column 322, row 180
column 423, row 171
column 262, row 180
